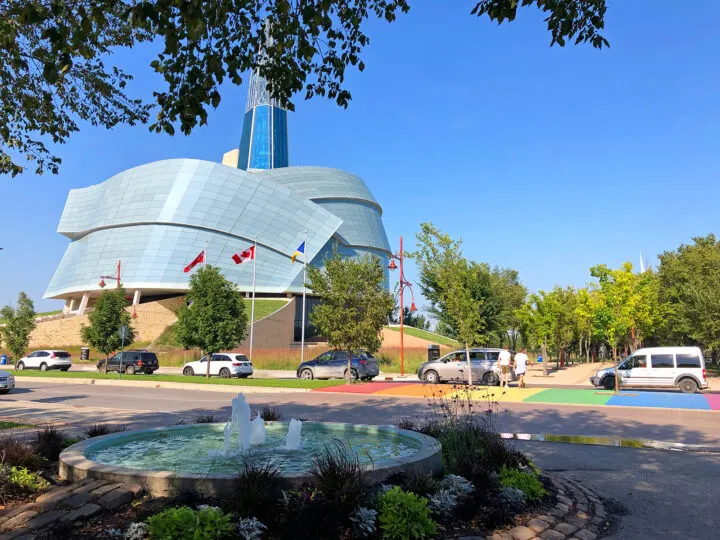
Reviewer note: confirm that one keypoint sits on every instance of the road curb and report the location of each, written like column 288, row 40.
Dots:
column 226, row 388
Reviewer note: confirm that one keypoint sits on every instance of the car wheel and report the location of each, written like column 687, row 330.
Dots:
column 130, row 370
column 490, row 379
column 188, row 371
column 353, row 374
column 608, row 383
column 43, row 367
column 225, row 373
column 20, row 366
column 64, row 369
column 148, row 372
column 688, row 386
column 4, row 392
column 306, row 374
column 431, row 376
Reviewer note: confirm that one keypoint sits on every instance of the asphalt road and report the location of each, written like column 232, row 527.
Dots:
column 78, row 403
column 660, row 494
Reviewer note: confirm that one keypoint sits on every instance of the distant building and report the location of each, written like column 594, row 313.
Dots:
column 158, row 217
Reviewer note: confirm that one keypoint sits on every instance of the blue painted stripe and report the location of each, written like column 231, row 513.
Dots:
column 667, row 400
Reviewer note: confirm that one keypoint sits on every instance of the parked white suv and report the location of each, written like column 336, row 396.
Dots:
column 223, row 364
column 663, row 367
column 44, row 360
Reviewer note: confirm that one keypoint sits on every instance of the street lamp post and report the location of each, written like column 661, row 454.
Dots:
column 403, row 283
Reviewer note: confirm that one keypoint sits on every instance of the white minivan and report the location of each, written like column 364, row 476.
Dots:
column 661, row 367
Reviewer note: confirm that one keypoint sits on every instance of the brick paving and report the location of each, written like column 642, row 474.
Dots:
column 64, row 504
column 578, row 514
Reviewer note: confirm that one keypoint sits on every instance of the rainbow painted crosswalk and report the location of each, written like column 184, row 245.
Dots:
column 564, row 396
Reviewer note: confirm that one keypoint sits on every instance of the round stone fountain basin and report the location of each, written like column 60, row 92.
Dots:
column 172, row 460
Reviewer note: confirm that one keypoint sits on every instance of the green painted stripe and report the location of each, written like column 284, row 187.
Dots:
column 570, row 396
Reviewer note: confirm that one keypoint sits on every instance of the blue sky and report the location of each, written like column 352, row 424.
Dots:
column 547, row 160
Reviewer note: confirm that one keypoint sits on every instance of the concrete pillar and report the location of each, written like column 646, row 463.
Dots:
column 83, row 304
column 67, row 308
column 136, row 298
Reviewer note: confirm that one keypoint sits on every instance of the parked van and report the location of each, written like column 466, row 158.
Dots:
column 661, row 367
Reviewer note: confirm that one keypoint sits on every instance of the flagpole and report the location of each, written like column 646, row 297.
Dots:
column 302, row 330
column 206, row 255
column 252, row 309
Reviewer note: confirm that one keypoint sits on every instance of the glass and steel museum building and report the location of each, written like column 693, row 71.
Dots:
column 158, row 217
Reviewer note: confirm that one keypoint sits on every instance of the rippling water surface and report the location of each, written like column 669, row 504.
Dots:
column 200, row 449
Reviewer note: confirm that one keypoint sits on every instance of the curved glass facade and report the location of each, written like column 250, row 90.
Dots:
column 156, row 218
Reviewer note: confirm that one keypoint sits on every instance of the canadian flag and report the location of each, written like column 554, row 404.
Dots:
column 247, row 255
column 197, row 260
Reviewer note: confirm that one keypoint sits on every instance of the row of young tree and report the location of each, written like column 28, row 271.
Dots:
column 617, row 312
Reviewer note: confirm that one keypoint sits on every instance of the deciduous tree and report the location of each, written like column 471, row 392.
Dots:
column 105, row 321
column 19, row 322
column 214, row 318
column 355, row 304
column 55, row 70
column 689, row 288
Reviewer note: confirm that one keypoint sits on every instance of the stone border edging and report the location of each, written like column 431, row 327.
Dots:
column 578, row 514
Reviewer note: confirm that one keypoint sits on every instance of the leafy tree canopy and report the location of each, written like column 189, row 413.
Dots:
column 215, row 319
column 355, row 303
column 105, row 320
column 689, row 283
column 54, row 73
column 19, row 322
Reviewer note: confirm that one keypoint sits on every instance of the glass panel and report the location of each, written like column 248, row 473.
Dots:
column 245, row 141
column 688, row 360
column 280, row 146
column 660, row 361
column 260, row 150
column 493, row 356
column 639, row 362
column 475, row 355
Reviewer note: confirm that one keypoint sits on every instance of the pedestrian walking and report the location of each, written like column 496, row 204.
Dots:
column 520, row 365
column 504, row 360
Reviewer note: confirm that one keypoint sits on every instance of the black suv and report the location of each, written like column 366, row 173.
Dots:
column 131, row 362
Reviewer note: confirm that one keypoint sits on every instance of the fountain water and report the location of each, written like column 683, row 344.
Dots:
column 239, row 424
column 294, row 441
column 257, row 430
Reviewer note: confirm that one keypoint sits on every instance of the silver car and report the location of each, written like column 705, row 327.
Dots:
column 7, row 382
column 453, row 367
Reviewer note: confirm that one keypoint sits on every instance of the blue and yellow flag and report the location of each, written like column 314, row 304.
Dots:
column 299, row 251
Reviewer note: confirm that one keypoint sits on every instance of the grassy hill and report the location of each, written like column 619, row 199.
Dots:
column 425, row 334
column 263, row 308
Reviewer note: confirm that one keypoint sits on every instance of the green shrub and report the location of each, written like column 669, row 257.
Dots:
column 527, row 482
column 19, row 482
column 184, row 523
column 404, row 515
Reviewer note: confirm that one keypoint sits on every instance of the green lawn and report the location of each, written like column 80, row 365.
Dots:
column 424, row 334
column 263, row 307
column 274, row 383
column 10, row 425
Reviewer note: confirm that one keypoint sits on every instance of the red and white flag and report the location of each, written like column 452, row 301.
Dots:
column 247, row 255
column 197, row 260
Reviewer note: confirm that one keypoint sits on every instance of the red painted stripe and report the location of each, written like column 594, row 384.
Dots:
column 714, row 401
column 364, row 388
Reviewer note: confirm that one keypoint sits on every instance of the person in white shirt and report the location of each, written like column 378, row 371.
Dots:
column 520, row 366
column 504, row 362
